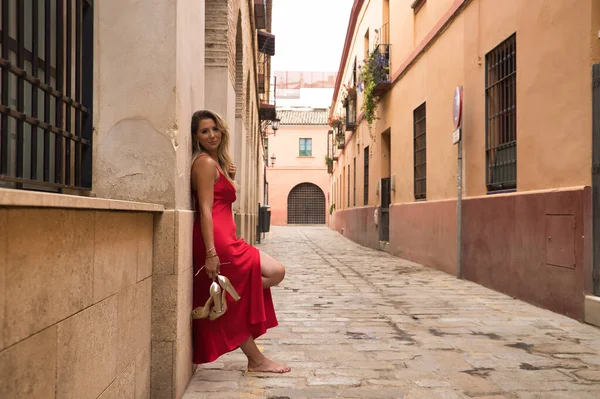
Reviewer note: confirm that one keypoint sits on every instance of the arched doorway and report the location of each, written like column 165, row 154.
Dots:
column 306, row 205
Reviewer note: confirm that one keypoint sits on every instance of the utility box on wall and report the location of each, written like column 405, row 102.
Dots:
column 560, row 240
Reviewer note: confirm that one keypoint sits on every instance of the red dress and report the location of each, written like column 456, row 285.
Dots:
column 254, row 313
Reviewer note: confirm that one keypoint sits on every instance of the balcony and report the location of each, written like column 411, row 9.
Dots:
column 349, row 103
column 381, row 69
column 340, row 136
column 268, row 104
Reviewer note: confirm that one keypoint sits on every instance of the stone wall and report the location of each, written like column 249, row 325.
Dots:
column 75, row 303
column 231, row 90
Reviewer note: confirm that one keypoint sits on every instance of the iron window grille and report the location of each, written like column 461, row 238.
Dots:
column 348, row 188
column 420, row 152
column 305, row 147
column 384, row 232
column 46, row 94
column 354, row 184
column 366, row 176
column 342, row 182
column 501, row 116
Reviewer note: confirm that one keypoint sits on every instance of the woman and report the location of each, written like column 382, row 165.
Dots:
column 222, row 324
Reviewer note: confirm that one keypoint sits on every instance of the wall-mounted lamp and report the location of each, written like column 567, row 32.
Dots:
column 273, row 158
column 275, row 125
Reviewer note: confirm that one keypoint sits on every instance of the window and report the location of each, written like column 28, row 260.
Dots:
column 367, row 44
column 342, row 185
column 46, row 94
column 306, row 147
column 334, row 193
column 420, row 149
column 366, row 176
column 348, row 188
column 267, row 150
column 501, row 116
column 354, row 184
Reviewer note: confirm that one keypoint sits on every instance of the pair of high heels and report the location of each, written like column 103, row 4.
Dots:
column 216, row 305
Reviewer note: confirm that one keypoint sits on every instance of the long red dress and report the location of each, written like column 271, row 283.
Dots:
column 254, row 313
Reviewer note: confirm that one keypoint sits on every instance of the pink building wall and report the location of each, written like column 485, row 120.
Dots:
column 291, row 169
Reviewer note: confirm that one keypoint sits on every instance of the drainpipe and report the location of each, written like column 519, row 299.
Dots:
column 459, row 214
column 457, row 138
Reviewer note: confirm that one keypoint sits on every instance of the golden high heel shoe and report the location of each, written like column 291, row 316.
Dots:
column 226, row 284
column 220, row 302
column 202, row 312
column 220, row 306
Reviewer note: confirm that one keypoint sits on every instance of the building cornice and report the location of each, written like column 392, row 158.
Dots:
column 448, row 17
column 347, row 44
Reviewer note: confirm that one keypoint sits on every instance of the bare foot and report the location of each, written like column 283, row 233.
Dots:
column 267, row 366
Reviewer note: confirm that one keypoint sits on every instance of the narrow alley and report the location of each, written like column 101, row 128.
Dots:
column 358, row 323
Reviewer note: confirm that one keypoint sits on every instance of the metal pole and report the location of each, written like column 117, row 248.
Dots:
column 459, row 211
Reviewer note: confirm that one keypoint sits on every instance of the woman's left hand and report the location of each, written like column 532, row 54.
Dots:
column 232, row 169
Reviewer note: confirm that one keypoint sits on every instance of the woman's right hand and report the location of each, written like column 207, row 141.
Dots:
column 211, row 265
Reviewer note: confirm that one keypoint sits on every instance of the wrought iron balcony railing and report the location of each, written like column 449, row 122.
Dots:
column 381, row 69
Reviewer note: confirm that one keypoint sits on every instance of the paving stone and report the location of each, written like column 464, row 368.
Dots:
column 334, row 381
column 359, row 323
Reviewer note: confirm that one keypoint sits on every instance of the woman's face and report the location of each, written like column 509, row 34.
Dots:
column 208, row 135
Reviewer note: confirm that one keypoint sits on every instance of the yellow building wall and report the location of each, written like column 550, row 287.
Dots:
column 556, row 46
column 554, row 116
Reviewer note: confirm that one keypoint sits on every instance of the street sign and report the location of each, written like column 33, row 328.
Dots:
column 457, row 106
column 456, row 136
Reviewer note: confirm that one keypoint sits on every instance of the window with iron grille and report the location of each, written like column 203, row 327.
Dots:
column 348, row 188
column 46, row 94
column 501, row 116
column 420, row 149
column 306, row 147
column 354, row 184
column 366, row 176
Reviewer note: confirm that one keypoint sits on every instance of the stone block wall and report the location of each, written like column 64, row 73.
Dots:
column 75, row 303
column 172, row 290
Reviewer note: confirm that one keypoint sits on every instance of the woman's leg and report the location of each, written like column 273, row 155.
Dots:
column 272, row 271
column 259, row 362
column 272, row 274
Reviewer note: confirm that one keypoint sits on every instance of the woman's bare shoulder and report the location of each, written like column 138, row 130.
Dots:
column 203, row 163
column 204, row 167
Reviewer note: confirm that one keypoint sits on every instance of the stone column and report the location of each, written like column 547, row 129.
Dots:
column 149, row 79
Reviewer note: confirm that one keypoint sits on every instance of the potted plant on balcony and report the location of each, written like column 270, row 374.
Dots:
column 329, row 163
column 336, row 121
column 340, row 137
column 374, row 71
column 367, row 81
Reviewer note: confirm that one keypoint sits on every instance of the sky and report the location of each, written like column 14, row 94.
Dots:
column 309, row 34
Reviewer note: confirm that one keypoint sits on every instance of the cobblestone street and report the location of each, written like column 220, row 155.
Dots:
column 358, row 323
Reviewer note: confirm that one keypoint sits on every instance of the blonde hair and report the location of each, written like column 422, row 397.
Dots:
column 223, row 155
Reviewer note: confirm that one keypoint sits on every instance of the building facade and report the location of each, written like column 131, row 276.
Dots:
column 95, row 204
column 298, row 183
column 528, row 186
